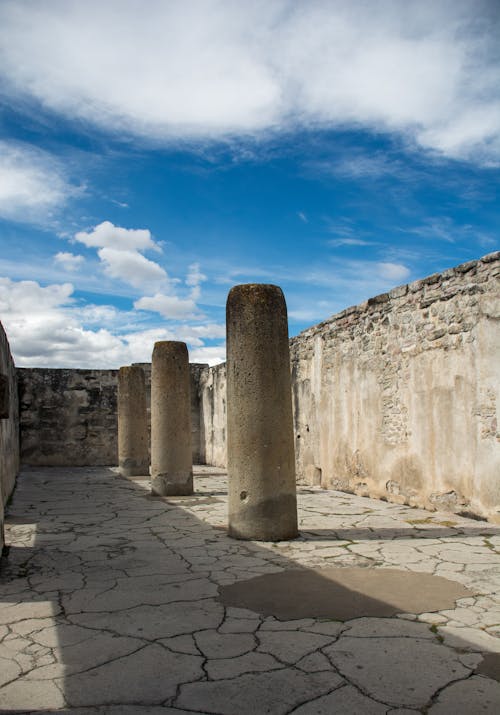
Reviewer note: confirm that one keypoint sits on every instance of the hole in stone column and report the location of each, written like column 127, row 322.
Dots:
column 243, row 496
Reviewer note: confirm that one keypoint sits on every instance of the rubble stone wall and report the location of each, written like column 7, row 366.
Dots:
column 9, row 427
column 69, row 417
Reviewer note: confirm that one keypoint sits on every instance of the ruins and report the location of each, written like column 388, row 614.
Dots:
column 395, row 398
column 118, row 600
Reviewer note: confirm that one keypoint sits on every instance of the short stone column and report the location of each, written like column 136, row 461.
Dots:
column 261, row 460
column 171, row 458
column 133, row 447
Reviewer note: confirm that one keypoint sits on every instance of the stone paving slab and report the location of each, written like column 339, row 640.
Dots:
column 109, row 604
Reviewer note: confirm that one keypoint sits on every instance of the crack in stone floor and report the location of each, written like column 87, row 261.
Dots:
column 112, row 602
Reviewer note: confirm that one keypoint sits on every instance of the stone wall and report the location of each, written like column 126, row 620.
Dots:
column 397, row 398
column 9, row 427
column 212, row 391
column 69, row 417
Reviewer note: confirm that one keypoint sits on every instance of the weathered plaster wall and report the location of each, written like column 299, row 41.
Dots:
column 398, row 397
column 69, row 417
column 9, row 427
column 212, row 391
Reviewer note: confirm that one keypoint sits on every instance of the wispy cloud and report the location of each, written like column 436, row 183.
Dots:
column 427, row 71
column 337, row 242
column 354, row 164
column 33, row 184
column 194, row 279
column 441, row 229
column 346, row 233
column 445, row 229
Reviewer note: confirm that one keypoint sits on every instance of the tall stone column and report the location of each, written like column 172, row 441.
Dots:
column 133, row 447
column 261, row 461
column 171, row 458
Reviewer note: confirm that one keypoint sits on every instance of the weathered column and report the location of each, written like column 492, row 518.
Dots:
column 133, row 453
column 261, row 461
column 171, row 459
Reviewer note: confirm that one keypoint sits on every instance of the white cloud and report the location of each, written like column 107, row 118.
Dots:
column 131, row 267
column 426, row 70
column 196, row 334
column 119, row 252
column 169, row 306
column 393, row 271
column 107, row 235
column 47, row 328
column 141, row 343
column 32, row 183
column 24, row 297
column 42, row 330
column 69, row 261
column 212, row 355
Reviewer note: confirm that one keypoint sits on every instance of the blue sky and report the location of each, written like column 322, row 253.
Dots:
column 153, row 155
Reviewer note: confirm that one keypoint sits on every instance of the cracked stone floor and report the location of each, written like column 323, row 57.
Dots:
column 110, row 604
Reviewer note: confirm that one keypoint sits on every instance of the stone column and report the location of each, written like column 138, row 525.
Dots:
column 171, row 459
column 133, row 456
column 261, row 461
